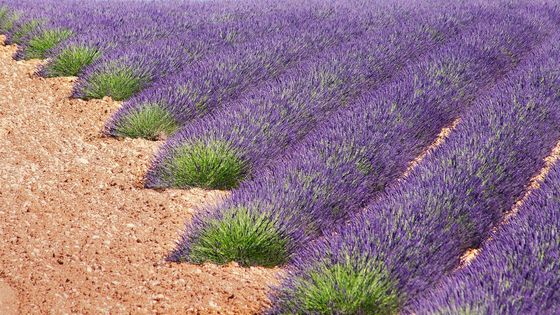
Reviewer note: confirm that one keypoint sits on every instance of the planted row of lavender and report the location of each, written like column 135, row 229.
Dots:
column 125, row 72
column 220, row 150
column 517, row 271
column 337, row 168
column 212, row 83
column 405, row 242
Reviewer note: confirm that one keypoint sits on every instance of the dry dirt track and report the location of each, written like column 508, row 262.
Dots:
column 78, row 232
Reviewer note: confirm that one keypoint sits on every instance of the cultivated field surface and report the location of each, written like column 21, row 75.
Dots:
column 280, row 157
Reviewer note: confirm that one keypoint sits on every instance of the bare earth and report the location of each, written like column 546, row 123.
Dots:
column 78, row 232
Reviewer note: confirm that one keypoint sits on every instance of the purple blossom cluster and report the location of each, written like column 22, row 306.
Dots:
column 517, row 271
column 358, row 151
column 265, row 123
column 406, row 241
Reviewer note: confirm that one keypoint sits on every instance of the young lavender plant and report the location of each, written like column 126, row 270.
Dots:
column 39, row 45
column 71, row 61
column 7, row 19
column 21, row 30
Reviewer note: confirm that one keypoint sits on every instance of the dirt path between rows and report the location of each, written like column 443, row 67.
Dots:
column 79, row 234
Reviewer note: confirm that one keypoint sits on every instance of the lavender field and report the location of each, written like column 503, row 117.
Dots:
column 388, row 156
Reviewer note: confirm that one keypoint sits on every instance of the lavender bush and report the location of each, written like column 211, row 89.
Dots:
column 406, row 241
column 343, row 163
column 7, row 18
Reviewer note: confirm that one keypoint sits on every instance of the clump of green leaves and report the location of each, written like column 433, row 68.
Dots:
column 242, row 236
column 349, row 287
column 119, row 82
column 25, row 29
column 39, row 45
column 151, row 122
column 71, row 61
column 213, row 165
column 7, row 19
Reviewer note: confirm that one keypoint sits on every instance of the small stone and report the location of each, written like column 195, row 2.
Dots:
column 82, row 161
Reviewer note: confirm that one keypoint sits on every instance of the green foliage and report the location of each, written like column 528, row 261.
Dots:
column 7, row 19
column 151, row 122
column 247, row 238
column 360, row 287
column 23, row 30
column 71, row 61
column 213, row 165
column 4, row 12
column 118, row 82
column 39, row 45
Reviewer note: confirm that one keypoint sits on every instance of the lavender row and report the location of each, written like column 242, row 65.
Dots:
column 405, row 242
column 219, row 150
column 517, row 271
column 337, row 168
column 207, row 85
column 93, row 28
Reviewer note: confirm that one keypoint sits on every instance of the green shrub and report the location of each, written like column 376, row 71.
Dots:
column 24, row 30
column 7, row 19
column 247, row 238
column 39, row 45
column 71, row 61
column 359, row 287
column 151, row 122
column 118, row 82
column 214, row 166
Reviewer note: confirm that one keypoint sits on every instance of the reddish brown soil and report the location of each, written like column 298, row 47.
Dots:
column 442, row 136
column 537, row 180
column 8, row 300
column 78, row 232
